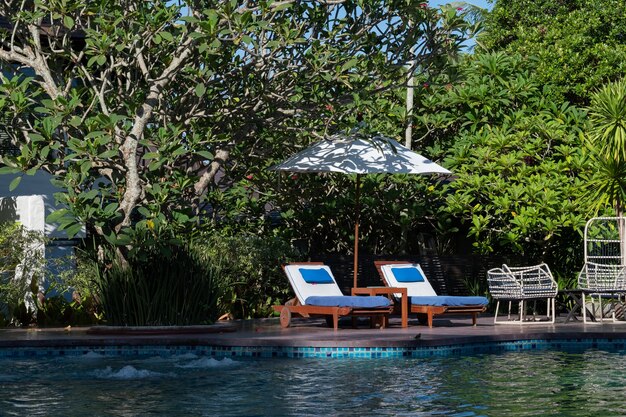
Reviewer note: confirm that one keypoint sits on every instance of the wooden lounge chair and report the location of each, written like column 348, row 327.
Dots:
column 317, row 294
column 423, row 299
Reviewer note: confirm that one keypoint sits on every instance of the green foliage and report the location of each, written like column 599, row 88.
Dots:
column 251, row 279
column 489, row 88
column 318, row 212
column 21, row 267
column 575, row 45
column 397, row 212
column 606, row 185
column 516, row 157
column 607, row 121
column 70, row 295
column 31, row 294
column 606, row 142
column 170, row 285
column 57, row 311
column 158, row 96
column 477, row 286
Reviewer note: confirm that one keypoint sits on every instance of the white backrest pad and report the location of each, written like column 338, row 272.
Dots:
column 303, row 289
column 412, row 288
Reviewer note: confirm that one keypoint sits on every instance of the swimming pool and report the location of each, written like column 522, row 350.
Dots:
column 520, row 383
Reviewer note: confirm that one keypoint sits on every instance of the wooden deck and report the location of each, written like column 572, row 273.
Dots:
column 314, row 333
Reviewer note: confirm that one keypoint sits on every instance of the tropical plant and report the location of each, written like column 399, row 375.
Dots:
column 606, row 140
column 169, row 285
column 21, row 269
column 135, row 106
column 575, row 46
column 606, row 185
column 397, row 213
column 250, row 276
column 69, row 296
column 517, row 160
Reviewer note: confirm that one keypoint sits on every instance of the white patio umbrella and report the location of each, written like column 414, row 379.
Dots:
column 357, row 155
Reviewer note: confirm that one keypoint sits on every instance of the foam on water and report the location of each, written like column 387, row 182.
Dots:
column 92, row 355
column 128, row 372
column 208, row 363
column 521, row 384
column 185, row 356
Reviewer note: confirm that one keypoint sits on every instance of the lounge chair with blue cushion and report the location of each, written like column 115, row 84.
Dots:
column 317, row 294
column 423, row 299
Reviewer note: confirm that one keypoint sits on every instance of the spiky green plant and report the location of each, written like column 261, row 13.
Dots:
column 607, row 185
column 607, row 117
column 162, row 287
column 606, row 143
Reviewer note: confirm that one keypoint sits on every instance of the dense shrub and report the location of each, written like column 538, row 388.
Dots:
column 21, row 266
column 168, row 285
column 250, row 275
column 576, row 46
column 517, row 157
column 69, row 297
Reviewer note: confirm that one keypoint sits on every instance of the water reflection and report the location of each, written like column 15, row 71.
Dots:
column 514, row 383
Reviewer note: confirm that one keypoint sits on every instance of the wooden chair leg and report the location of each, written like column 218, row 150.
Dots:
column 430, row 318
column 285, row 317
column 474, row 319
column 336, row 321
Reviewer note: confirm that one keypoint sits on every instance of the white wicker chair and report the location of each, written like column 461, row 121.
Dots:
column 602, row 282
column 603, row 276
column 522, row 284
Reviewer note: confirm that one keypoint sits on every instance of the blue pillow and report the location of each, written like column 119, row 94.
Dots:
column 407, row 274
column 316, row 276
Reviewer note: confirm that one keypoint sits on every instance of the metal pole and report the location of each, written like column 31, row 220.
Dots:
column 621, row 228
column 408, row 134
column 356, row 229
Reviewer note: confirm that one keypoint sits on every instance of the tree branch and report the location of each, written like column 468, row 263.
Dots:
column 144, row 113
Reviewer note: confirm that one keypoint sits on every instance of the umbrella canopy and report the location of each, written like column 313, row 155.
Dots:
column 347, row 155
column 358, row 155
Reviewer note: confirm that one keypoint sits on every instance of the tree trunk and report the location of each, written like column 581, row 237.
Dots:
column 221, row 156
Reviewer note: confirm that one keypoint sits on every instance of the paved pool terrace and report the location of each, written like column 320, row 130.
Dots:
column 311, row 337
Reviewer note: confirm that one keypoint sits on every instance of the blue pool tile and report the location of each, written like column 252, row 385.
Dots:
column 569, row 345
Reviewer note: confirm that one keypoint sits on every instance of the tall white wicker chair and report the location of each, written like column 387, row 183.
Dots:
column 522, row 284
column 603, row 276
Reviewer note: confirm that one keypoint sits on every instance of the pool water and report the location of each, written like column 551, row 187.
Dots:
column 545, row 383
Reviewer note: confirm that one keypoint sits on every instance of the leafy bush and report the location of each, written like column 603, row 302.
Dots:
column 167, row 285
column 21, row 265
column 251, row 278
column 70, row 294
column 517, row 159
column 574, row 45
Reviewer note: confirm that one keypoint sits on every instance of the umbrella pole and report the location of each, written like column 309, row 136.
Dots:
column 356, row 229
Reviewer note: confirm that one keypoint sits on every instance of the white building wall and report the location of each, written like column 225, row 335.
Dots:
column 33, row 185
column 30, row 204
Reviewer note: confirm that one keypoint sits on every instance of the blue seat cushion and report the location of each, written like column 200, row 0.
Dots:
column 407, row 274
column 316, row 276
column 348, row 301
column 449, row 300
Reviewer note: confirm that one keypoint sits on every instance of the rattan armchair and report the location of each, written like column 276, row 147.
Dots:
column 602, row 278
column 522, row 284
column 603, row 282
